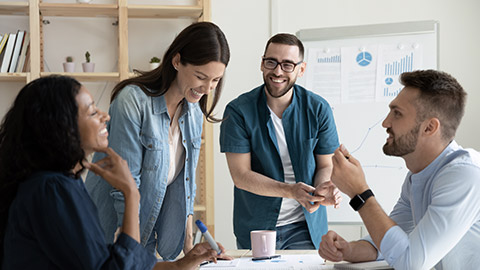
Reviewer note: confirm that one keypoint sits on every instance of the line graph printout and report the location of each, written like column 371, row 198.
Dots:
column 358, row 73
column 323, row 73
column 393, row 60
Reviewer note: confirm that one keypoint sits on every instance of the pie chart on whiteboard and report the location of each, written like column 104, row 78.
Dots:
column 364, row 59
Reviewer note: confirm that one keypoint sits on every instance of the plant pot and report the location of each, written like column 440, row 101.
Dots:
column 88, row 67
column 69, row 67
column 154, row 66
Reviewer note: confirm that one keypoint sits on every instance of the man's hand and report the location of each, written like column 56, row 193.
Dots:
column 347, row 173
column 330, row 192
column 334, row 248
column 301, row 192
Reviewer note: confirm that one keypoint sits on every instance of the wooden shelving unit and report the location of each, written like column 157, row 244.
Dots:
column 13, row 8
column 35, row 9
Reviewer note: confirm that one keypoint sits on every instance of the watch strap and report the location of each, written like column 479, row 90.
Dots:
column 359, row 200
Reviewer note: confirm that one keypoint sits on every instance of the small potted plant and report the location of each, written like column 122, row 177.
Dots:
column 69, row 65
column 154, row 62
column 88, row 66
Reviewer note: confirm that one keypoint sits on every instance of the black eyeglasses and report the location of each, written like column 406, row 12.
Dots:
column 272, row 64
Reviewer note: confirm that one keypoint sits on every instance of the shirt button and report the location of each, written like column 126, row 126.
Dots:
column 187, row 158
column 188, row 197
column 188, row 178
column 181, row 122
column 184, row 141
column 150, row 146
column 152, row 219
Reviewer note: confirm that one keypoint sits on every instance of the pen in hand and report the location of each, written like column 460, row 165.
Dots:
column 208, row 236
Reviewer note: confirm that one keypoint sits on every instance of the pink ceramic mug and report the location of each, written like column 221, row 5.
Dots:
column 263, row 243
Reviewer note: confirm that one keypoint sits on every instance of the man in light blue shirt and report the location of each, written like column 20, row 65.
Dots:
column 436, row 221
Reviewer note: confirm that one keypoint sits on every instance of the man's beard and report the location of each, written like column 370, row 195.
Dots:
column 402, row 145
column 282, row 92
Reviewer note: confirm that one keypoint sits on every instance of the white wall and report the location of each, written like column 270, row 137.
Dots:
column 247, row 26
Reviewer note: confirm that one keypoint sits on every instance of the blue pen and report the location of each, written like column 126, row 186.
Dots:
column 207, row 236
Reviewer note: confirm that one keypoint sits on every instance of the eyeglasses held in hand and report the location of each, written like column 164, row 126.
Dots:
column 270, row 63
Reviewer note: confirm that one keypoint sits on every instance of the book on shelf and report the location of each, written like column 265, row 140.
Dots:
column 26, row 65
column 23, row 52
column 8, row 52
column 16, row 50
column 3, row 41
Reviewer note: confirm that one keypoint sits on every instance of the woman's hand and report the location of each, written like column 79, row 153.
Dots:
column 199, row 253
column 114, row 169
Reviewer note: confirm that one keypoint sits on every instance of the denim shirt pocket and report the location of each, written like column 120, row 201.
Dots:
column 152, row 157
column 196, row 145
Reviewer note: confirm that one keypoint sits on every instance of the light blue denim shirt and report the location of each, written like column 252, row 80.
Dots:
column 138, row 132
column 438, row 215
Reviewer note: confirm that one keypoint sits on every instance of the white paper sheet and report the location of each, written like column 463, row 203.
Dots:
column 285, row 262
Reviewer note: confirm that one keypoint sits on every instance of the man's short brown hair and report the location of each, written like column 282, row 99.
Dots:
column 441, row 96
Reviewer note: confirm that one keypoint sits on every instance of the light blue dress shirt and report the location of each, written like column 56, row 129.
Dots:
column 138, row 132
column 438, row 215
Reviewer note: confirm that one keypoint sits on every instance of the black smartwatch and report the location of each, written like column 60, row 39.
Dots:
column 359, row 200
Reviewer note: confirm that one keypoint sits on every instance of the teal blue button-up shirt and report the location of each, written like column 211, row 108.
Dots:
column 309, row 130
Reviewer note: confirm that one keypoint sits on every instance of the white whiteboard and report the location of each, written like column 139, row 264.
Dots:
column 359, row 122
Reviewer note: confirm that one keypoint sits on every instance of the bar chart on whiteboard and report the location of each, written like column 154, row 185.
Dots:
column 394, row 60
column 352, row 74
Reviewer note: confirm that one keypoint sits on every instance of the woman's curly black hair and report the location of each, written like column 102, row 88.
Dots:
column 38, row 133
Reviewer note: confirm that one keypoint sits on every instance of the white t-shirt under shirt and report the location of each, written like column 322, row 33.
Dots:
column 291, row 210
column 177, row 152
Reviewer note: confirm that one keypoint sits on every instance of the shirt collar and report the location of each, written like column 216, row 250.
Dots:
column 288, row 110
column 436, row 162
column 159, row 105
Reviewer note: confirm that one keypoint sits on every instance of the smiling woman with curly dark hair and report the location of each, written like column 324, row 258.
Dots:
column 47, row 219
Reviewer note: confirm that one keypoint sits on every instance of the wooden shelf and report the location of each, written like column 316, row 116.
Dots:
column 103, row 10
column 13, row 77
column 88, row 76
column 199, row 208
column 13, row 8
column 153, row 11
column 78, row 10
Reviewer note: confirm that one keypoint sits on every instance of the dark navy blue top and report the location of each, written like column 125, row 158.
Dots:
column 53, row 224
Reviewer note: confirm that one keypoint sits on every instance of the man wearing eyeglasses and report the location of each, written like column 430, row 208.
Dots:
column 279, row 139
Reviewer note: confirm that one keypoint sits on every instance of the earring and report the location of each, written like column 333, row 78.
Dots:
column 175, row 67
